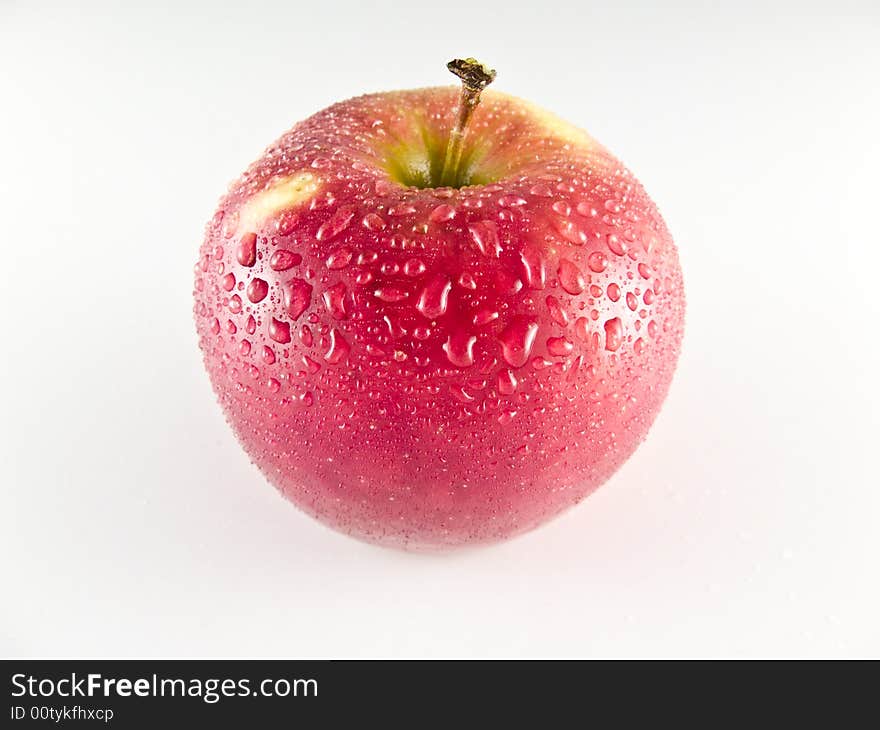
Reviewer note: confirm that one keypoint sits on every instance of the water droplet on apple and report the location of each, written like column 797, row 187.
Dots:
column 235, row 304
column 247, row 250
column 631, row 301
column 540, row 363
column 507, row 382
column 459, row 348
column 268, row 355
column 414, row 267
column 296, row 297
column 558, row 314
column 282, row 260
column 279, row 331
column 613, row 292
column 506, row 417
column 442, row 213
column 541, row 190
column 435, row 296
column 373, row 222
column 569, row 231
column 597, row 261
column 390, row 294
column 586, row 210
column 339, row 259
column 506, row 283
column 559, row 346
column 401, row 210
column 338, row 350
column 516, row 341
column 484, row 235
column 533, row 266
column 570, row 277
column 467, row 281
column 616, row 245
column 484, row 315
column 335, row 300
column 228, row 281
column 394, row 327
column 335, row 224
column 257, row 290
column 613, row 334
column 312, row 366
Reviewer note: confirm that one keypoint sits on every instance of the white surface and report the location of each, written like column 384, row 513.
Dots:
column 131, row 523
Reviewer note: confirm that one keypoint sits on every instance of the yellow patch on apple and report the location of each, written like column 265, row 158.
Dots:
column 284, row 194
column 553, row 125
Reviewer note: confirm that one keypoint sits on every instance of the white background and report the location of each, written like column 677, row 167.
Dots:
column 132, row 524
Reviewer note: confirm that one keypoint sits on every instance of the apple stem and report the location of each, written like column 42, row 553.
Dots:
column 475, row 77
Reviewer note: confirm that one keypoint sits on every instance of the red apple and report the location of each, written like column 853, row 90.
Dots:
column 432, row 322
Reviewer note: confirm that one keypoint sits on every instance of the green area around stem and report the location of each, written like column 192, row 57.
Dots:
column 419, row 163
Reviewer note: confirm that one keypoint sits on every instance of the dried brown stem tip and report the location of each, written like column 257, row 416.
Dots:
column 473, row 74
column 475, row 77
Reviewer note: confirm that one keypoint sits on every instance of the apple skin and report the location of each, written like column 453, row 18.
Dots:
column 427, row 368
